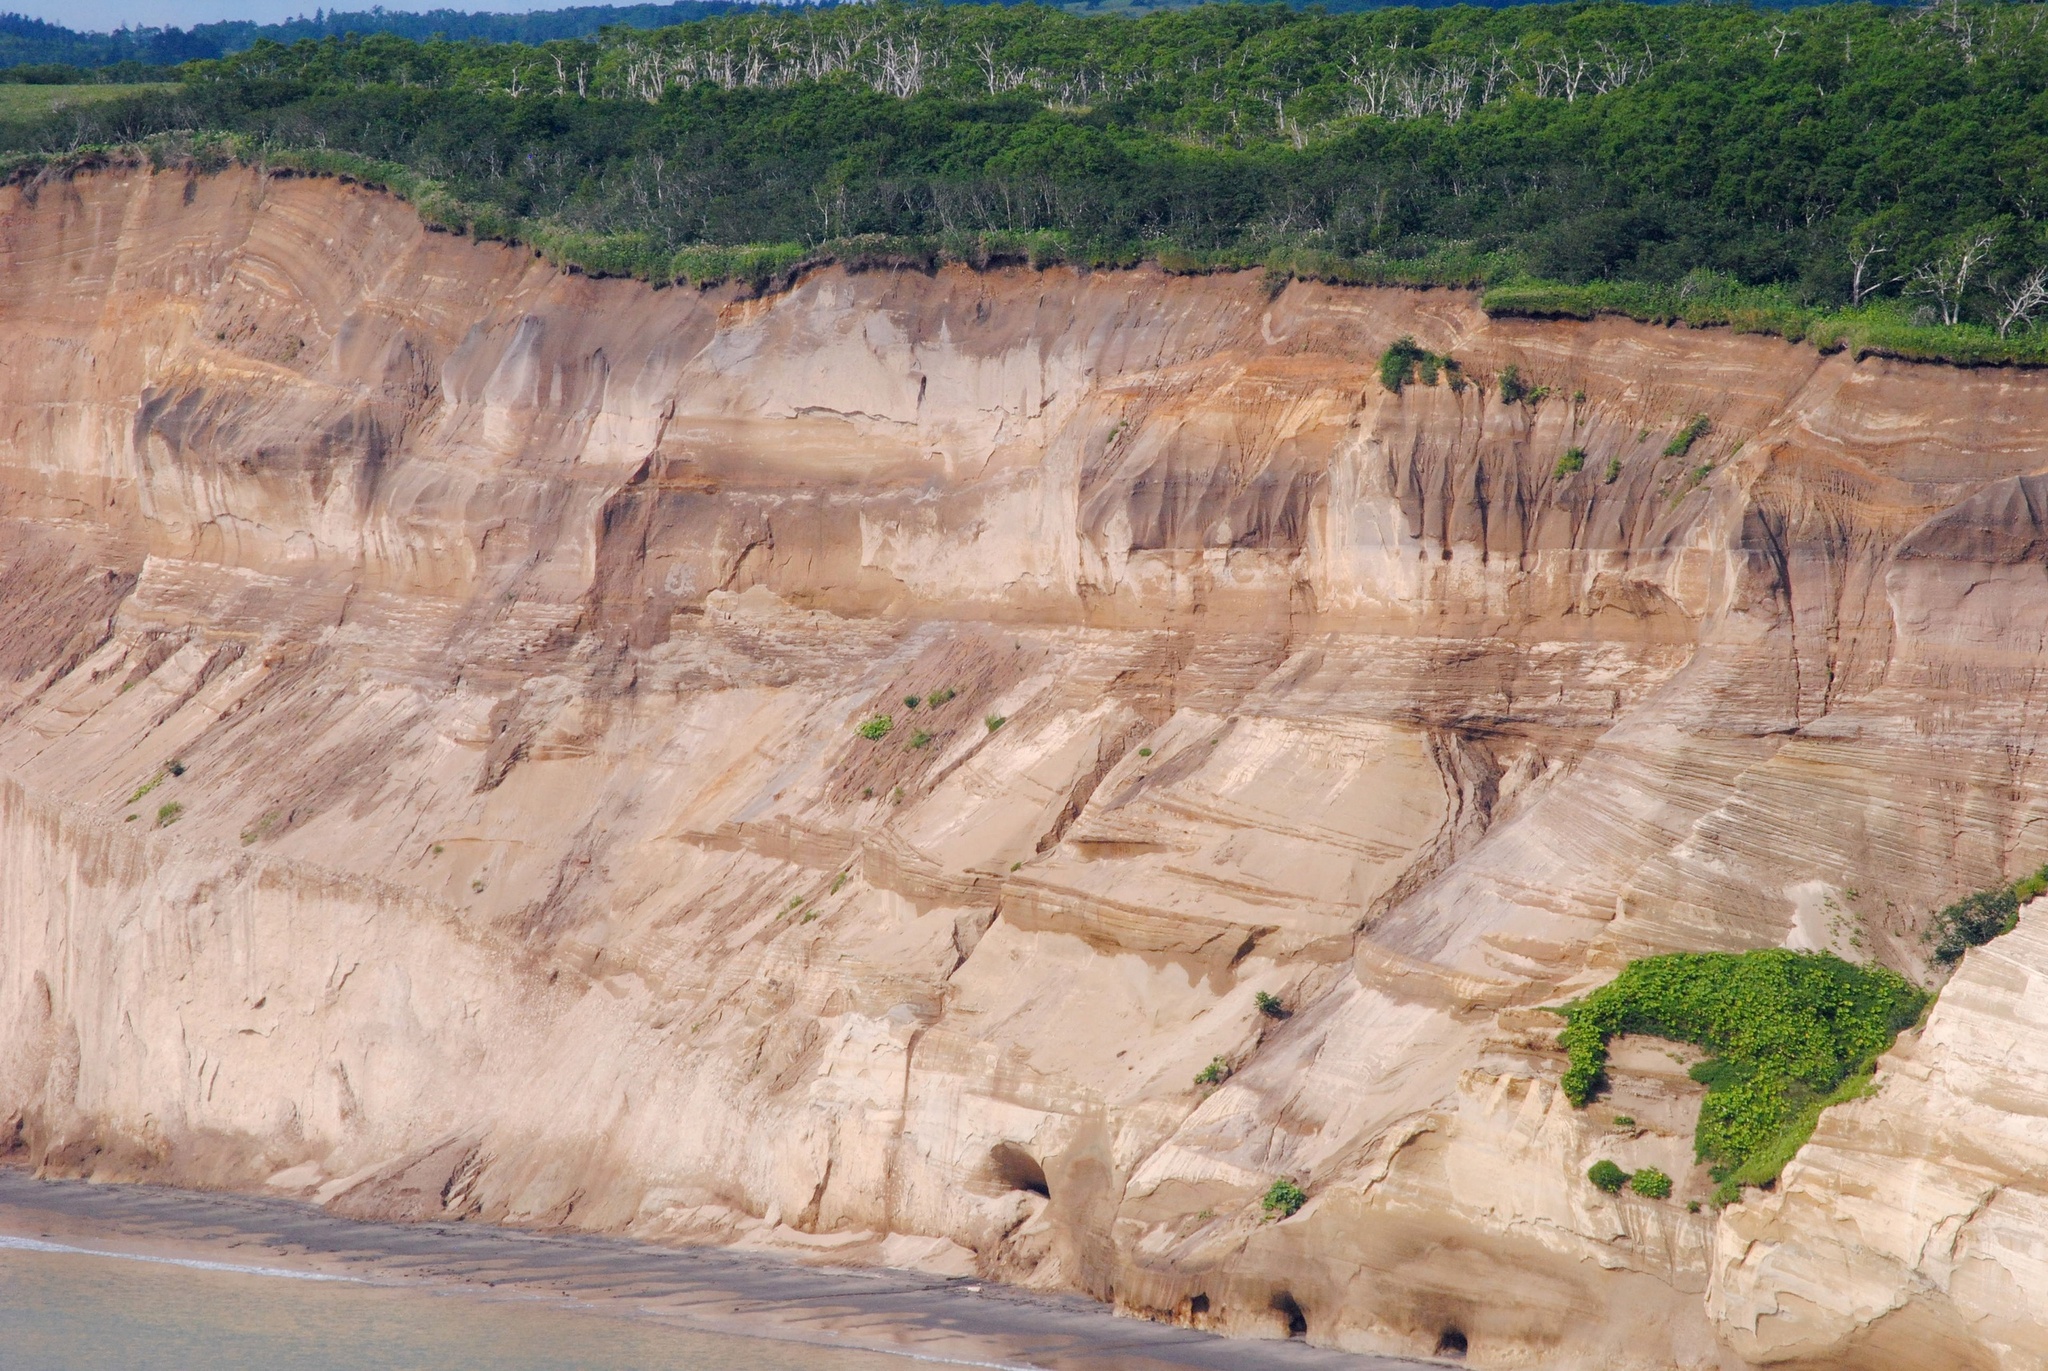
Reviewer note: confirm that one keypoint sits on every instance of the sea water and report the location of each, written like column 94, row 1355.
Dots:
column 66, row 1310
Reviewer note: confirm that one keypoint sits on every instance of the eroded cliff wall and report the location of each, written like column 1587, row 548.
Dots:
column 511, row 631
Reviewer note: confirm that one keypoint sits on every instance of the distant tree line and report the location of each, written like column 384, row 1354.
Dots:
column 132, row 54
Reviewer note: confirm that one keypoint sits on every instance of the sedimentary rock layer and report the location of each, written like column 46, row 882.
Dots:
column 510, row 632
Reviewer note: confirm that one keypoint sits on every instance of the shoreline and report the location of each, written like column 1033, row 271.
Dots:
column 923, row 1319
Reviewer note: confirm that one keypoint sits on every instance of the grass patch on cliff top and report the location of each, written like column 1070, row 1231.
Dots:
column 1791, row 1034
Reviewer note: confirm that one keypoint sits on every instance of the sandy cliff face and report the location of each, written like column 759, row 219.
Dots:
column 512, row 630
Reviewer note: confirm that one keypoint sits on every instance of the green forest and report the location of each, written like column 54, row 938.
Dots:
column 1864, row 175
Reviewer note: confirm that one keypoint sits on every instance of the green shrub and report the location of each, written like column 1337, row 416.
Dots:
column 1144, row 752
column 994, row 722
column 1651, row 1183
column 876, row 728
column 175, row 767
column 1682, row 442
column 1624, row 1121
column 1270, row 1005
column 1613, row 470
column 1573, row 462
column 1976, row 919
column 1791, row 1033
column 920, row 739
column 911, row 702
column 1283, row 1199
column 1406, row 360
column 1397, row 363
column 1215, row 1073
column 1513, row 389
column 940, row 696
column 168, row 813
column 1607, row 1176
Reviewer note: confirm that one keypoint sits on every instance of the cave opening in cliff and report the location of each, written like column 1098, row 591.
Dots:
column 1451, row 1344
column 1297, row 1322
column 1198, row 1307
column 1017, row 1169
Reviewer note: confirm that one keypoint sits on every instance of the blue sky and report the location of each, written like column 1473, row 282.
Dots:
column 112, row 14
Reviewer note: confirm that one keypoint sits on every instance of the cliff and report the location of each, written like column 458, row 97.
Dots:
column 430, row 779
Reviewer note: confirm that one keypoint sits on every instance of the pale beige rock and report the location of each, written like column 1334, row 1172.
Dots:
column 512, row 629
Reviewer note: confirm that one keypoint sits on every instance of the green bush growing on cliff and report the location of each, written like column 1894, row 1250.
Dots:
column 1791, row 1033
column 1976, row 919
column 1607, row 1176
column 1682, row 441
column 1397, row 363
column 1283, row 1199
column 1513, row 389
column 1406, row 360
column 877, row 728
column 169, row 813
column 1571, row 463
column 1215, row 1073
column 1651, row 1184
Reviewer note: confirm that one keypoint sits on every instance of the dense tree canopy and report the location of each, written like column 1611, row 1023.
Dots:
column 1840, row 154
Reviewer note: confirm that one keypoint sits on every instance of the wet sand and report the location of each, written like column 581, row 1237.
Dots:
column 931, row 1319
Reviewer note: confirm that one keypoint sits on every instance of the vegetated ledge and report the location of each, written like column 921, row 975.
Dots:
column 1701, row 300
column 1791, row 1033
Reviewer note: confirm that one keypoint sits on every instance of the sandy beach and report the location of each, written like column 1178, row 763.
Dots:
column 923, row 1319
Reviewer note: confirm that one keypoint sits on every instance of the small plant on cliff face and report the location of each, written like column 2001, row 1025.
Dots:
column 168, row 814
column 1681, row 442
column 1284, row 1199
column 839, row 882
column 1573, row 462
column 151, row 784
column 940, row 696
column 1613, row 470
column 1144, row 752
column 994, row 722
column 1976, row 919
column 1270, row 1005
column 1607, row 1176
column 920, row 739
column 911, row 702
column 877, row 728
column 1513, row 389
column 1651, row 1184
column 176, row 767
column 1215, row 1073
column 1624, row 1121
column 1791, row 1033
